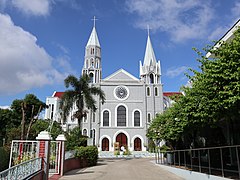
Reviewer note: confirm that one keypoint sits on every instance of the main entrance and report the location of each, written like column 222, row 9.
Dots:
column 137, row 144
column 105, row 144
column 122, row 139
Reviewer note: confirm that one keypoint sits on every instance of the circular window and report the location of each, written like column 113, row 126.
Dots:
column 121, row 92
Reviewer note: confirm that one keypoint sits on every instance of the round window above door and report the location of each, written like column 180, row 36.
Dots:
column 121, row 92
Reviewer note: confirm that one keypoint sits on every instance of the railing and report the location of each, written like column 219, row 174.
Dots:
column 23, row 170
column 23, row 151
column 221, row 161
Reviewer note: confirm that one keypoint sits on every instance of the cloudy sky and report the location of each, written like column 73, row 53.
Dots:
column 43, row 41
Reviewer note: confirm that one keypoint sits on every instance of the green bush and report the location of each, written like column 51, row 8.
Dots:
column 164, row 149
column 4, row 159
column 151, row 146
column 75, row 139
column 89, row 153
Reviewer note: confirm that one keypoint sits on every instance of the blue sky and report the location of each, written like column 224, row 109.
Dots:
column 43, row 41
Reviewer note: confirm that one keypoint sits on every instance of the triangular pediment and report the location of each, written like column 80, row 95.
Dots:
column 121, row 75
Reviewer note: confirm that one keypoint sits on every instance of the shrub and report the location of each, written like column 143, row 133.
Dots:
column 4, row 159
column 116, row 152
column 164, row 149
column 151, row 146
column 75, row 139
column 89, row 153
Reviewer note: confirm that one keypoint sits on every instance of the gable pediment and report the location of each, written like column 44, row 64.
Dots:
column 122, row 76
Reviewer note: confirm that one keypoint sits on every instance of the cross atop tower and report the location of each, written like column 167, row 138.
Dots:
column 94, row 21
column 148, row 30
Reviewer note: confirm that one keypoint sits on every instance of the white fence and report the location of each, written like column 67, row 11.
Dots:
column 22, row 151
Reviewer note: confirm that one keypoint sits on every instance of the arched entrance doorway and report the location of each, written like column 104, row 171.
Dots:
column 137, row 144
column 105, row 144
column 122, row 139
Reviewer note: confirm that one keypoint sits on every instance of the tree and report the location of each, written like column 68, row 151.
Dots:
column 212, row 101
column 80, row 95
column 28, row 109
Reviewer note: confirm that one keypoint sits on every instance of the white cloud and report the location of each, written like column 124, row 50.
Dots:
column 33, row 7
column 183, row 20
column 217, row 33
column 174, row 72
column 24, row 64
column 4, row 107
column 232, row 17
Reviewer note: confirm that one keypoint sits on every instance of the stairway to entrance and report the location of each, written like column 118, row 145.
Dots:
column 134, row 154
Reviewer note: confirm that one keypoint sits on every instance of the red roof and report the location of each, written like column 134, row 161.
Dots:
column 171, row 93
column 58, row 94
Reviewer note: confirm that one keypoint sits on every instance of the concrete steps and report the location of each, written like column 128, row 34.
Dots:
column 134, row 154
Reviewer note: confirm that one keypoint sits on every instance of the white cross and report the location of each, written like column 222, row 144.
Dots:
column 148, row 29
column 94, row 21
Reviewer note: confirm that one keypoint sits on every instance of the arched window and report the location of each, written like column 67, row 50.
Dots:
column 106, row 118
column 84, row 132
column 93, row 117
column 156, row 91
column 149, row 117
column 92, row 63
column 97, row 64
column 91, row 78
column 136, row 118
column 121, row 116
column 85, row 118
column 94, row 136
column 151, row 79
column 86, row 64
column 148, row 91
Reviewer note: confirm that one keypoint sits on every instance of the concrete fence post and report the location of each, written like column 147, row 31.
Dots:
column 44, row 139
column 61, row 139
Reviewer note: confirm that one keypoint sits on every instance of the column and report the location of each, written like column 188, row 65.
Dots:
column 61, row 155
column 44, row 139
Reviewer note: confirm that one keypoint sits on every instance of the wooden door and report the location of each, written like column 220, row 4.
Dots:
column 122, row 139
column 105, row 144
column 137, row 144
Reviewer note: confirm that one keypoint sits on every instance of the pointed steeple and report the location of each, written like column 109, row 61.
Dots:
column 149, row 58
column 150, row 71
column 93, row 39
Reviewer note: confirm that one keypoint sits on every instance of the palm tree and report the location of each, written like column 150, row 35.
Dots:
column 81, row 94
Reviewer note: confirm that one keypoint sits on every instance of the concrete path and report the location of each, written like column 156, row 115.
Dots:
column 122, row 169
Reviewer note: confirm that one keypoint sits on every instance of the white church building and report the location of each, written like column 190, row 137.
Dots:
column 131, row 103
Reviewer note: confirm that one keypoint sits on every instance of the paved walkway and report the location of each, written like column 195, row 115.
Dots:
column 122, row 169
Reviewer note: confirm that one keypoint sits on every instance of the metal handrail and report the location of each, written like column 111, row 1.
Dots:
column 221, row 160
column 23, row 170
column 195, row 149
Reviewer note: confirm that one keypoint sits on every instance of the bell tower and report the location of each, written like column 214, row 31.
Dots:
column 92, row 62
column 150, row 71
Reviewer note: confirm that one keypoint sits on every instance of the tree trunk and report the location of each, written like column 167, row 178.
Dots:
column 23, row 120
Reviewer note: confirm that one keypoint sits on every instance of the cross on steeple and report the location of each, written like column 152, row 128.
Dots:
column 148, row 30
column 94, row 21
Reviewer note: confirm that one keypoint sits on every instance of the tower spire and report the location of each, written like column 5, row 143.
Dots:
column 93, row 39
column 149, row 52
column 148, row 29
column 150, row 70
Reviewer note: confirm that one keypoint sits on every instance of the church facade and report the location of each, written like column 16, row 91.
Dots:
column 131, row 103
